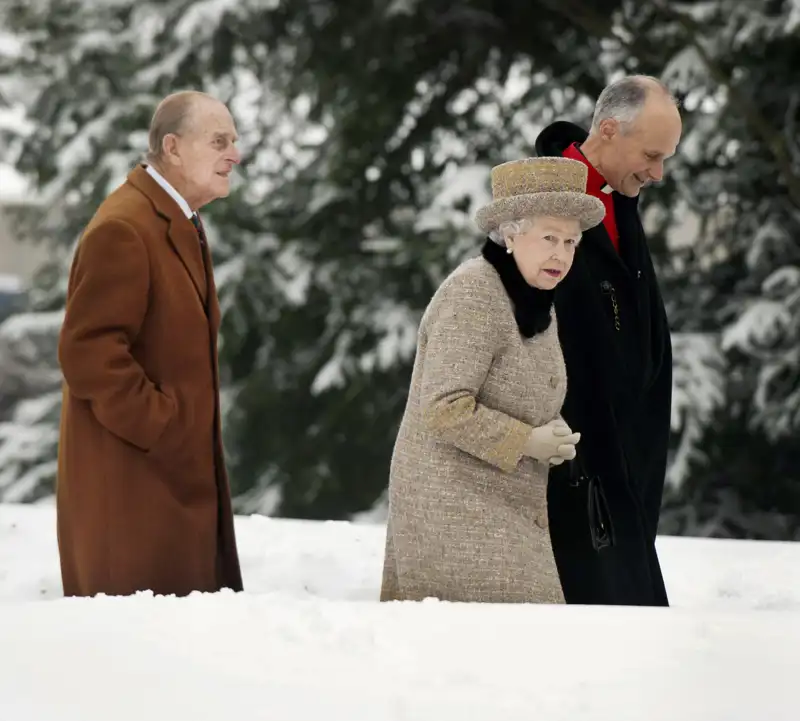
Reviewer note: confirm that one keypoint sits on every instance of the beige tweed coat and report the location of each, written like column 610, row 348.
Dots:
column 467, row 511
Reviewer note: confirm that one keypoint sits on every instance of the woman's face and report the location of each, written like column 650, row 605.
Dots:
column 545, row 251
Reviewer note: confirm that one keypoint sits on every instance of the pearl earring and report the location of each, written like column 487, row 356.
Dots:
column 509, row 251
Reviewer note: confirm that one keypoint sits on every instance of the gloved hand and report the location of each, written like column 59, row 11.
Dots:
column 552, row 443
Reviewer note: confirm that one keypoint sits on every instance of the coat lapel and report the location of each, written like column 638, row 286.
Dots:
column 187, row 245
column 630, row 230
column 181, row 233
column 214, row 315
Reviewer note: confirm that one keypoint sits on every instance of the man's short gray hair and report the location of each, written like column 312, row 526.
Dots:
column 624, row 99
column 170, row 118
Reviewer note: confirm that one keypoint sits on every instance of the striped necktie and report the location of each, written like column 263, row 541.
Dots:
column 199, row 227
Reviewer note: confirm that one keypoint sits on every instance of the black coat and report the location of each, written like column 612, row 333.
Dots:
column 619, row 394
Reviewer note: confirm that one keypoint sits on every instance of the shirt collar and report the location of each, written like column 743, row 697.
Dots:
column 595, row 183
column 174, row 194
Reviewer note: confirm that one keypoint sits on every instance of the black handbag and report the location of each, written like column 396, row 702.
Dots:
column 601, row 529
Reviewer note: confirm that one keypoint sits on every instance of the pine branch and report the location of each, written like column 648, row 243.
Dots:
column 768, row 133
column 790, row 129
column 583, row 15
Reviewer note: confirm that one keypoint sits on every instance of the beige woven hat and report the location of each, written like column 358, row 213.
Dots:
column 540, row 186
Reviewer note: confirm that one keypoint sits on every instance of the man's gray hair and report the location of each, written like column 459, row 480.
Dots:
column 624, row 99
column 170, row 118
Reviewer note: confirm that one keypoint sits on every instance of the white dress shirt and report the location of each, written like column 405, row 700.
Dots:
column 176, row 196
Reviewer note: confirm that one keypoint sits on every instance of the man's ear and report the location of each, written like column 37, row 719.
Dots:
column 169, row 148
column 609, row 128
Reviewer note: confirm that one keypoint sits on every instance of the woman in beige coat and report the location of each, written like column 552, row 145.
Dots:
column 468, row 483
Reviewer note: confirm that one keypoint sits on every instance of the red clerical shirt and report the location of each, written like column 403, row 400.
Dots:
column 596, row 186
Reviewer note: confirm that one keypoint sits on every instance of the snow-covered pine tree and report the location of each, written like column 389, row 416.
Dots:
column 735, row 293
column 418, row 100
column 368, row 130
column 91, row 74
column 27, row 375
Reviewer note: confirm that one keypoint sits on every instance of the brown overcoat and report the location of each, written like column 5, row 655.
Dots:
column 143, row 501
column 468, row 514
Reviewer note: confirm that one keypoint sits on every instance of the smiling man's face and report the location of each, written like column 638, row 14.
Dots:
column 202, row 156
column 633, row 157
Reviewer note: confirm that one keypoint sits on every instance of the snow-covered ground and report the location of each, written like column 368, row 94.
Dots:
column 307, row 640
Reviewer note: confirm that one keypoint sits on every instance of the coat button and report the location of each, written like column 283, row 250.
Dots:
column 541, row 521
column 553, row 381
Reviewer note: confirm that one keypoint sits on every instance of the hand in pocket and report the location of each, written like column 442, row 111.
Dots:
column 175, row 440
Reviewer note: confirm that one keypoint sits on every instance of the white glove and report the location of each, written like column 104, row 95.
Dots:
column 552, row 443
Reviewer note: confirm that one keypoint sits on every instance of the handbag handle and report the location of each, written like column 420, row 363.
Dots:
column 598, row 515
column 576, row 471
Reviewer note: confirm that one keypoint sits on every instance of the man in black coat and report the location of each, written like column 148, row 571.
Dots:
column 616, row 341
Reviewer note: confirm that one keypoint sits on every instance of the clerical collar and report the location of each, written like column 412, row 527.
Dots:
column 595, row 182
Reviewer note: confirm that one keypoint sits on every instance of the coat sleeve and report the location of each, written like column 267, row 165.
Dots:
column 462, row 337
column 106, row 305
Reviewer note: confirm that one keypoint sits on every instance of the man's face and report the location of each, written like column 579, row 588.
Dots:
column 203, row 155
column 633, row 157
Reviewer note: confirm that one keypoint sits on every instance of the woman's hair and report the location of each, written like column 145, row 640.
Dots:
column 510, row 228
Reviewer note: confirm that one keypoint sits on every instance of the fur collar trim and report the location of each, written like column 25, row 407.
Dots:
column 532, row 306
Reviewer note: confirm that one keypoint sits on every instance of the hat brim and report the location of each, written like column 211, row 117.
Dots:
column 586, row 209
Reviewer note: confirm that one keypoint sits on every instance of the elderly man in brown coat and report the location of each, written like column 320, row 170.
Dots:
column 143, row 501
